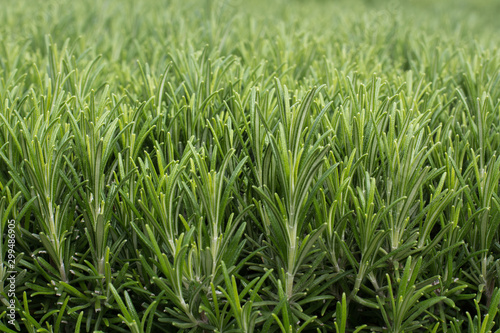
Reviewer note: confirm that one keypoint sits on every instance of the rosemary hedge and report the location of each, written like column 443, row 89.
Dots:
column 259, row 166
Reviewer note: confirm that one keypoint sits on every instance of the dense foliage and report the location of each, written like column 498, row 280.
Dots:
column 313, row 166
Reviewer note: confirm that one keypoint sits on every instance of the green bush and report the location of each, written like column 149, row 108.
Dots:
column 279, row 166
